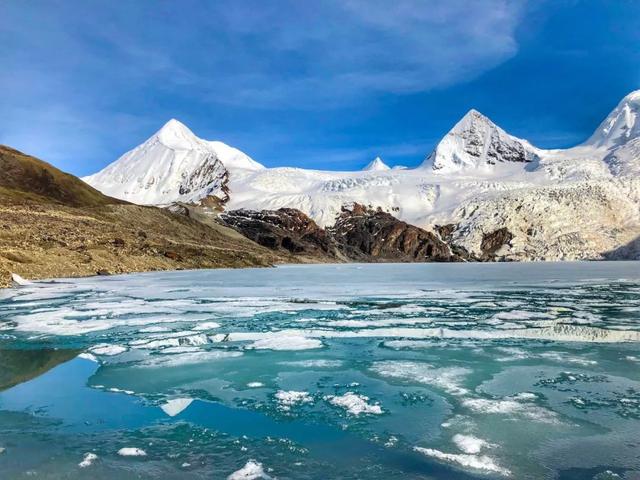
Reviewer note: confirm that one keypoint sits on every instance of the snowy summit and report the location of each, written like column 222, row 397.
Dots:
column 376, row 165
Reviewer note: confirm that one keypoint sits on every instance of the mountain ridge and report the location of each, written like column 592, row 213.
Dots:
column 476, row 174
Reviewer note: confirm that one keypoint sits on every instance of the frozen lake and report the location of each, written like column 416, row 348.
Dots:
column 421, row 371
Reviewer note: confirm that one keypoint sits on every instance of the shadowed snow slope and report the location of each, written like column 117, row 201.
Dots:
column 558, row 204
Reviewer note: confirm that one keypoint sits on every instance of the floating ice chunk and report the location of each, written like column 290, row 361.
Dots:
column 469, row 443
column 119, row 390
column 255, row 384
column 288, row 399
column 107, row 350
column 251, row 471
column 315, row 363
column 174, row 340
column 154, row 329
column 354, row 404
column 521, row 315
column 88, row 356
column 174, row 350
column 475, row 462
column 2, row 450
column 447, row 378
column 88, row 460
column 206, row 326
column 411, row 344
column 132, row 452
column 18, row 280
column 175, row 406
column 187, row 358
column 286, row 342
column 511, row 406
column 632, row 358
column 391, row 441
column 377, row 323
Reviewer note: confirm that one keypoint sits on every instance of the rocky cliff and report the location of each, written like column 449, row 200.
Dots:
column 360, row 234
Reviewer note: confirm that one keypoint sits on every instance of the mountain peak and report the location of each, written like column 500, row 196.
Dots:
column 473, row 116
column 632, row 97
column 376, row 165
column 621, row 125
column 475, row 141
column 175, row 134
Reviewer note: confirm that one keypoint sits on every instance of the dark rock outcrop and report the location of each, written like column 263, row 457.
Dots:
column 369, row 234
column 494, row 241
column 360, row 234
column 286, row 228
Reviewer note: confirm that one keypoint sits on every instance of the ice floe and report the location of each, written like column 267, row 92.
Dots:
column 206, row 326
column 469, row 443
column 285, row 342
column 175, row 406
column 289, row 398
column 132, row 452
column 18, row 280
column 88, row 460
column 315, row 363
column 251, row 471
column 88, row 356
column 187, row 358
column 107, row 349
column 448, row 379
column 511, row 406
column 354, row 404
column 177, row 339
column 475, row 462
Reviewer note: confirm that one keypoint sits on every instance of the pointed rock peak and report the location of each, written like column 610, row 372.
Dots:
column 376, row 165
column 621, row 125
column 472, row 117
column 175, row 134
column 475, row 141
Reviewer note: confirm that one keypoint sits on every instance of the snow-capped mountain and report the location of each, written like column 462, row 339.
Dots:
column 475, row 141
column 376, row 165
column 621, row 125
column 173, row 165
column 581, row 202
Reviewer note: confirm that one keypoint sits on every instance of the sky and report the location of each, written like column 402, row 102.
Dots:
column 324, row 84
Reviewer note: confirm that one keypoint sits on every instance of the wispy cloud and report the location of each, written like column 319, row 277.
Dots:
column 78, row 77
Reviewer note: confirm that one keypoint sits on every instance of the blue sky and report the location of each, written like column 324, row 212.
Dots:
column 326, row 84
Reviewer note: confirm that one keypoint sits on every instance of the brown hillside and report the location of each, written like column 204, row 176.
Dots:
column 54, row 225
column 28, row 175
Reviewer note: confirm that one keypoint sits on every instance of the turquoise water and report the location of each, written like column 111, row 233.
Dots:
column 440, row 371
